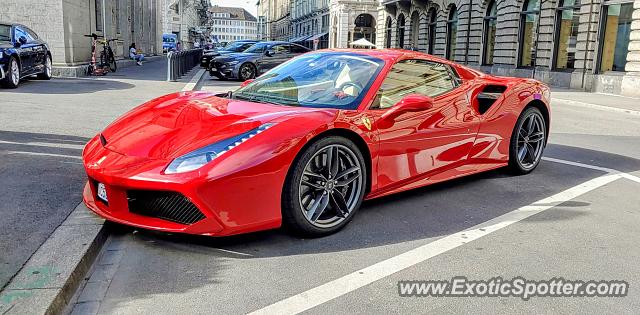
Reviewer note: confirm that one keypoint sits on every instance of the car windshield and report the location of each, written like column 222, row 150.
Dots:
column 5, row 32
column 321, row 80
column 257, row 48
column 238, row 47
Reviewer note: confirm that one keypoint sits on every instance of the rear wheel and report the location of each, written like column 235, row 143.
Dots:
column 528, row 141
column 325, row 188
column 12, row 77
column 113, row 66
column 46, row 73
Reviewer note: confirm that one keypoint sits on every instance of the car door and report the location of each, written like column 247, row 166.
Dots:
column 280, row 54
column 39, row 50
column 418, row 145
column 26, row 50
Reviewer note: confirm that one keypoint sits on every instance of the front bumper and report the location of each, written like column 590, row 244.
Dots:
column 229, row 203
column 224, row 70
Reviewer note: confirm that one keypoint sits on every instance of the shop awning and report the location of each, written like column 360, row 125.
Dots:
column 313, row 37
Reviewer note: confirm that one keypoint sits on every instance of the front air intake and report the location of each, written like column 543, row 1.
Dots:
column 166, row 205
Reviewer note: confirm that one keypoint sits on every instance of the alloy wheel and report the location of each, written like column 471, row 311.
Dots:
column 531, row 140
column 246, row 72
column 15, row 72
column 330, row 186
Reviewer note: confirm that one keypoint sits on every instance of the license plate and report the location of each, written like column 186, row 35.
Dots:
column 102, row 192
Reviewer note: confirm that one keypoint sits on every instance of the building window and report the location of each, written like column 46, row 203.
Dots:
column 98, row 15
column 415, row 24
column 452, row 32
column 433, row 23
column 528, row 24
column 567, row 22
column 401, row 24
column 615, row 36
column 388, row 33
column 490, row 21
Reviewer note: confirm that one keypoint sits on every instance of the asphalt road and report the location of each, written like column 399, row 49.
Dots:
column 591, row 236
column 43, row 128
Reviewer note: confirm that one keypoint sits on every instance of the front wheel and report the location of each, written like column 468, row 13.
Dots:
column 528, row 140
column 246, row 72
column 12, row 79
column 325, row 188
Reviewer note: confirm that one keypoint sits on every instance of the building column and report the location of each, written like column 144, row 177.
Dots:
column 506, row 49
column 631, row 80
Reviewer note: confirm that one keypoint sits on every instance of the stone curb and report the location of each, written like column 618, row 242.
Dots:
column 49, row 279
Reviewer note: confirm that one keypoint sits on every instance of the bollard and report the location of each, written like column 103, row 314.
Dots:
column 181, row 62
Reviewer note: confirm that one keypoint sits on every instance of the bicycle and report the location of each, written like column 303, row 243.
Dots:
column 107, row 58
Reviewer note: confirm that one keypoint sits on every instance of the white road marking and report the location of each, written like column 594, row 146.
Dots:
column 233, row 252
column 47, row 144
column 45, row 154
column 593, row 167
column 194, row 81
column 598, row 107
column 353, row 281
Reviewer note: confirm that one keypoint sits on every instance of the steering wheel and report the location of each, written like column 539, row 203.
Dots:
column 358, row 88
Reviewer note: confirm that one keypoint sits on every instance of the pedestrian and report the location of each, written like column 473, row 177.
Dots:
column 133, row 54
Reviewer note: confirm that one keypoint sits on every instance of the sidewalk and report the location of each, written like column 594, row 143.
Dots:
column 44, row 125
column 596, row 100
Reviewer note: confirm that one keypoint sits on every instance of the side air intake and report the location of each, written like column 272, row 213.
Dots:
column 488, row 96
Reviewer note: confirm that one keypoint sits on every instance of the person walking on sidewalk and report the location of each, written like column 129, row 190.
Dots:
column 133, row 54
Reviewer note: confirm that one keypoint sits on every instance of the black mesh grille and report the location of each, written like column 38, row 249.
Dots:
column 166, row 205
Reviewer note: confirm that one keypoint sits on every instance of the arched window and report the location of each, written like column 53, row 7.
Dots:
column 528, row 24
column 567, row 22
column 388, row 33
column 415, row 30
column 365, row 28
column 452, row 32
column 401, row 22
column 490, row 32
column 433, row 23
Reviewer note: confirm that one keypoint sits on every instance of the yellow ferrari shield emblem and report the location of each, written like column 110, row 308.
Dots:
column 367, row 122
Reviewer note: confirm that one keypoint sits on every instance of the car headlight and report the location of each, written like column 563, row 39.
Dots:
column 1, row 54
column 200, row 157
column 233, row 63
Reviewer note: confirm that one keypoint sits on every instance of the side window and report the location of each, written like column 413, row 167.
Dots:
column 298, row 49
column 281, row 49
column 20, row 32
column 415, row 76
column 31, row 33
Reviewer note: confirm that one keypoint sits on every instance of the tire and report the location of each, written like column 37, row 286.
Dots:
column 12, row 79
column 113, row 66
column 46, row 73
column 528, row 140
column 311, row 204
column 220, row 77
column 246, row 72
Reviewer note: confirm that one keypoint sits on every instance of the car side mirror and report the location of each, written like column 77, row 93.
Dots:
column 269, row 53
column 245, row 83
column 409, row 103
column 22, row 40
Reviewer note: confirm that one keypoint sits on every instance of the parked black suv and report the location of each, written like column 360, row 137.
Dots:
column 22, row 54
column 232, row 47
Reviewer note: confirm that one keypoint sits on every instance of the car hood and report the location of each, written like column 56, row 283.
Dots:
column 176, row 124
column 5, row 45
column 238, row 56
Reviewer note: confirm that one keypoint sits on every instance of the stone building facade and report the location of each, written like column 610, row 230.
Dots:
column 63, row 24
column 227, row 24
column 279, row 19
column 351, row 20
column 186, row 19
column 310, row 22
column 586, row 44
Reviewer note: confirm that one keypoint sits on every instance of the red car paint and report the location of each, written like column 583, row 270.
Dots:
column 241, row 190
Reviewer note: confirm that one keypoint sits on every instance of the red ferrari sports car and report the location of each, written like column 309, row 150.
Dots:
column 304, row 144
